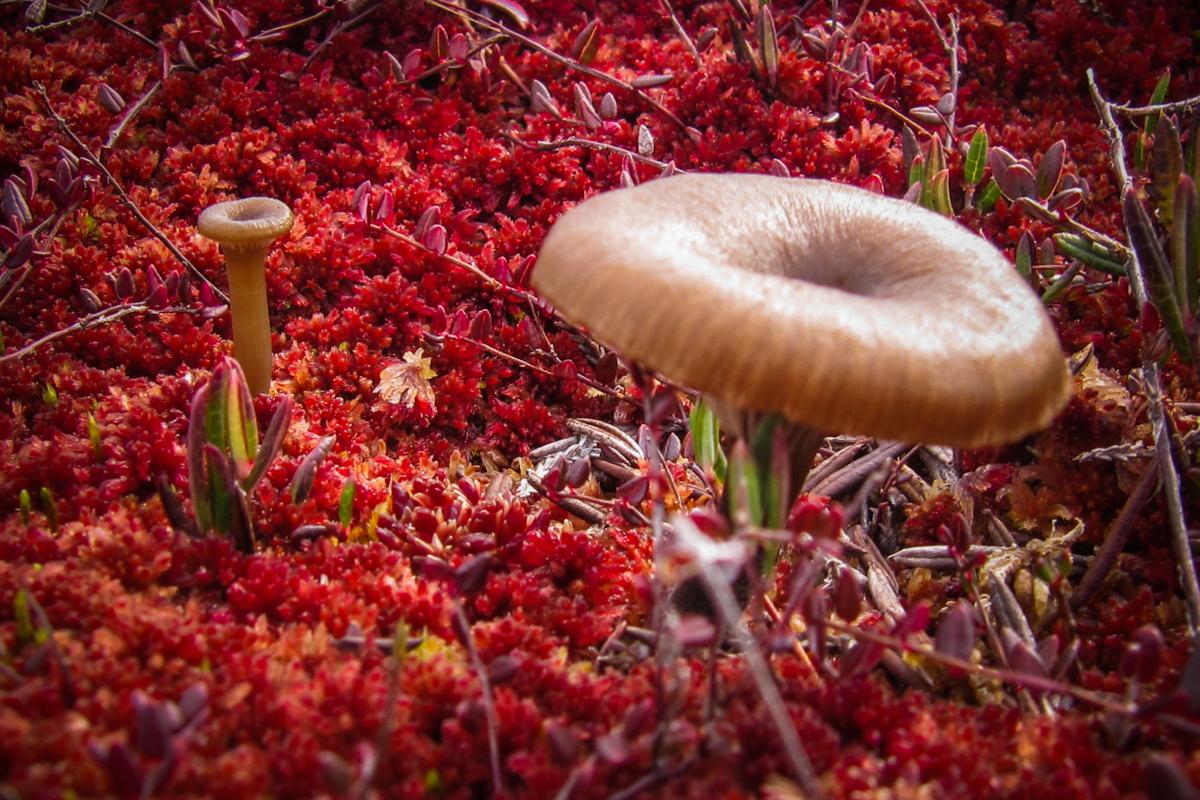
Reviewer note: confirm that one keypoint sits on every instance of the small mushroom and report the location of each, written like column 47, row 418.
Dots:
column 245, row 229
column 842, row 310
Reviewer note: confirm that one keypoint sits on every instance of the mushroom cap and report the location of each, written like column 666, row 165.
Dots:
column 246, row 223
column 841, row 309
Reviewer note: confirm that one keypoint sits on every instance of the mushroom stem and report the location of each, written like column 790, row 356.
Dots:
column 251, row 319
column 245, row 229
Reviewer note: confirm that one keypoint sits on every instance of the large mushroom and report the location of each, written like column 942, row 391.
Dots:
column 245, row 228
column 842, row 310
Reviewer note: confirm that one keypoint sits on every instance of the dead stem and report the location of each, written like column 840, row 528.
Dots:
column 126, row 200
column 489, row 705
column 604, row 147
column 1182, row 106
column 1166, row 461
column 499, row 27
column 730, row 613
column 1116, row 537
column 133, row 111
column 907, row 120
column 101, row 317
column 680, row 32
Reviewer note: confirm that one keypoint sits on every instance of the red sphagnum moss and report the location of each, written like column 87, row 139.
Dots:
column 410, row 139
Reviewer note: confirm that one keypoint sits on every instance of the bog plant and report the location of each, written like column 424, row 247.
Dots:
column 225, row 457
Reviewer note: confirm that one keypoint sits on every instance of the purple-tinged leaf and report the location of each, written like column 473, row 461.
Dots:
column 613, row 749
column 915, row 621
column 110, row 100
column 356, row 202
column 208, row 12
column 35, row 12
column 584, row 108
column 198, row 482
column 20, row 253
column 1065, row 199
column 563, row 743
column 513, row 9
column 645, row 141
column 459, row 47
column 164, row 62
column 271, row 443
column 651, row 81
column 481, row 325
column 608, row 106
column 956, row 634
column 471, row 575
column 30, row 179
column 193, row 701
column 412, row 61
column 503, row 669
column 694, row 630
column 383, row 214
column 768, row 44
column 586, row 43
column 185, row 56
column 847, row 595
column 124, row 772
column 90, row 300
column 1017, row 182
column 577, row 471
column 913, row 193
column 395, row 68
column 429, row 217
column 672, row 447
column 999, row 160
column 153, row 726
column 302, row 482
column 634, row 490
column 540, row 99
column 1023, row 658
column 1049, row 169
column 779, row 169
column 340, row 776
column 14, row 205
column 925, row 114
column 1142, row 657
column 237, row 19
column 861, row 659
column 435, row 239
column 946, row 104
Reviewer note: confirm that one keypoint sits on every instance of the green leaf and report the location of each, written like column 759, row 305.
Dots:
column 916, row 170
column 26, row 505
column 1157, row 96
column 1024, row 256
column 1093, row 255
column 50, row 395
column 939, row 194
column 976, row 158
column 49, row 508
column 346, row 502
column 22, row 617
column 744, row 488
column 93, row 429
column 706, row 439
column 1182, row 245
column 1158, row 272
column 196, row 463
column 239, row 417
column 988, row 197
column 1166, row 159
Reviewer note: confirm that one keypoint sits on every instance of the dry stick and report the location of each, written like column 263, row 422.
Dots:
column 1117, row 536
column 133, row 111
column 102, row 317
column 854, row 473
column 122, row 195
column 604, row 147
column 1022, row 679
column 760, row 671
column 1158, row 108
column 1154, row 395
column 388, row 724
column 907, row 120
column 570, row 63
column 489, row 706
column 683, row 35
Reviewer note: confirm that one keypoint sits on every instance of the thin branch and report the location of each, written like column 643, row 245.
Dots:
column 101, row 317
column 133, row 111
column 680, row 32
column 1179, row 106
column 1154, row 394
column 94, row 159
column 570, row 63
column 489, row 705
column 1116, row 537
column 603, row 147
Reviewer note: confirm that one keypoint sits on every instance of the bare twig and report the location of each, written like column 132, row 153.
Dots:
column 604, row 147
column 1117, row 536
column 1154, row 394
column 133, row 111
column 1179, row 106
column 489, row 705
column 499, row 27
column 101, row 317
column 680, row 32
column 124, row 197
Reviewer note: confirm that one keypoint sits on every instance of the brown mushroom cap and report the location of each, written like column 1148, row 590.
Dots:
column 248, row 223
column 841, row 309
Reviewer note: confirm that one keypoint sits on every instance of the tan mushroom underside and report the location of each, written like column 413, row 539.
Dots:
column 844, row 310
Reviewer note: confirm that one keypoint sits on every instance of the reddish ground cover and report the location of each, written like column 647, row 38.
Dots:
column 129, row 645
